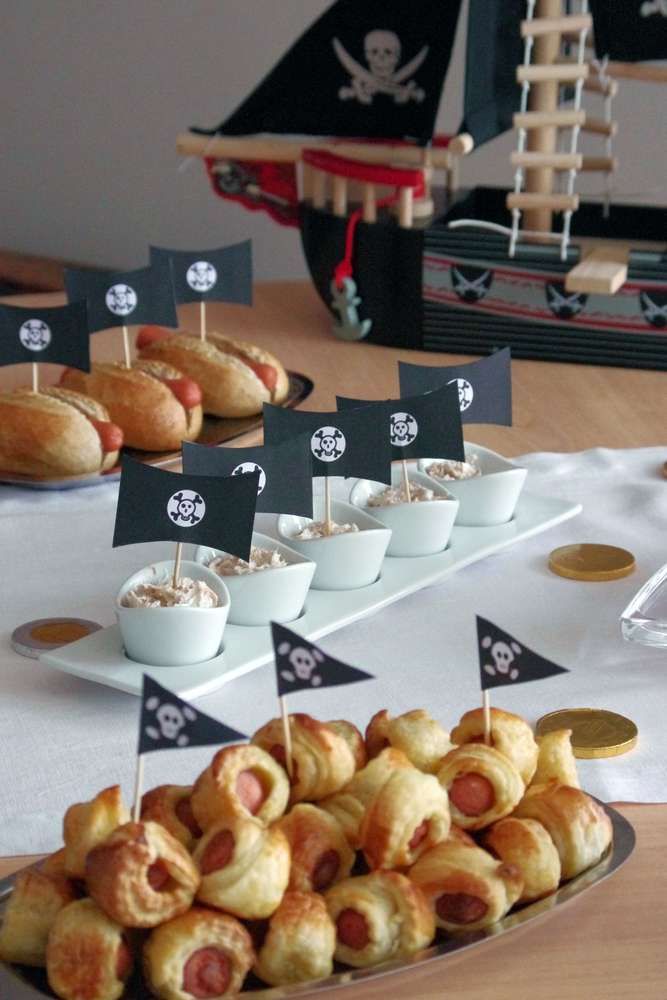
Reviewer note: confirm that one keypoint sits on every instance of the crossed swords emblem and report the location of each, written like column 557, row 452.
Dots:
column 383, row 54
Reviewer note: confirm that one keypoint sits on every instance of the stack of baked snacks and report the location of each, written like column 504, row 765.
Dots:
column 236, row 378
column 373, row 847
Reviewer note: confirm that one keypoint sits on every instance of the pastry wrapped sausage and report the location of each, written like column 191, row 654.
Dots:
column 141, row 875
column 169, row 805
column 421, row 738
column 35, row 902
column 466, row 887
column 322, row 761
column 320, row 852
column 577, row 824
column 87, row 824
column 510, row 734
column 526, row 844
column 300, row 941
column 555, row 760
column 240, row 780
column 379, row 916
column 353, row 738
column 349, row 805
column 244, row 867
column 483, row 785
column 409, row 814
column 201, row 954
column 87, row 955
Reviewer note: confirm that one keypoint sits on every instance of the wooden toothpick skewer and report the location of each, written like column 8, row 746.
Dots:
column 287, row 735
column 327, row 506
column 202, row 320
column 126, row 347
column 177, row 564
column 486, row 705
column 138, row 785
column 35, row 377
column 406, row 481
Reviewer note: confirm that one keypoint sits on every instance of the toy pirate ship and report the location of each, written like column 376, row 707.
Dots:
column 399, row 262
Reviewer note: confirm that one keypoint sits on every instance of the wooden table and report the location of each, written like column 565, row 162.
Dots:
column 609, row 944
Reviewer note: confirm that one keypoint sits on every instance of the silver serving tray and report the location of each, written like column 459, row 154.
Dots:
column 20, row 983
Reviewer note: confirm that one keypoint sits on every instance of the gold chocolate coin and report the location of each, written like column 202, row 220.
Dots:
column 588, row 561
column 40, row 636
column 596, row 732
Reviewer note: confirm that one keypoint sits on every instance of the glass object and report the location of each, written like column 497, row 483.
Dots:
column 645, row 618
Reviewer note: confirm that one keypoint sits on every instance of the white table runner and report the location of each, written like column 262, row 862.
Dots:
column 63, row 739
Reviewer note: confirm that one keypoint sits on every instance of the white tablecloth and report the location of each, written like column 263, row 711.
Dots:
column 63, row 739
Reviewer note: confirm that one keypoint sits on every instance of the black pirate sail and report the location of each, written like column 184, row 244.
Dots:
column 362, row 69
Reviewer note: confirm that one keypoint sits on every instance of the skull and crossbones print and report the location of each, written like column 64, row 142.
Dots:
column 303, row 664
column 465, row 391
column 650, row 7
column 403, row 429
column 246, row 468
column 186, row 508
column 564, row 306
column 328, row 444
column 170, row 720
column 35, row 334
column 201, row 276
column 382, row 50
column 504, row 655
column 121, row 300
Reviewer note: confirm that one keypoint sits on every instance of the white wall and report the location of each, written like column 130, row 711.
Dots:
column 93, row 93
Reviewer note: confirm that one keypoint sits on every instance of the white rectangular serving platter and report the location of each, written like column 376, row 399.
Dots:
column 20, row 983
column 100, row 656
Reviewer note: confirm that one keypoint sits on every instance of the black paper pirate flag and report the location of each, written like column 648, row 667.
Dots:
column 485, row 386
column 285, row 471
column 169, row 723
column 630, row 30
column 353, row 443
column 301, row 665
column 155, row 505
column 502, row 660
column 222, row 275
column 424, row 426
column 58, row 334
column 124, row 297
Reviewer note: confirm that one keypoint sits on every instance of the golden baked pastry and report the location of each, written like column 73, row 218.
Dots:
column 578, row 826
column 54, row 864
column 526, row 844
column 87, row 824
column 241, row 780
column 201, row 954
column 349, row 805
column 510, row 734
column 244, row 867
column 322, row 759
column 555, row 760
column 353, row 738
column 483, row 785
column 169, row 805
column 87, row 956
column 141, row 875
column 379, row 916
column 421, row 738
column 320, row 852
column 466, row 887
column 300, row 941
column 409, row 814
column 35, row 902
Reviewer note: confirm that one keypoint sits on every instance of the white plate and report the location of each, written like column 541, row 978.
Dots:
column 100, row 658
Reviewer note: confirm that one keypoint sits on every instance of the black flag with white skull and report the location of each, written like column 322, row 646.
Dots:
column 169, row 723
column 301, row 665
column 124, row 297
column 353, row 443
column 502, row 660
column 155, row 505
column 424, row 426
column 285, row 471
column 58, row 334
column 222, row 275
column 484, row 387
